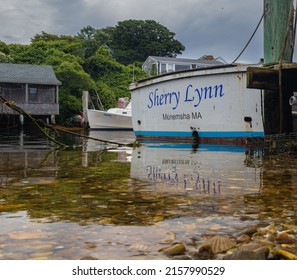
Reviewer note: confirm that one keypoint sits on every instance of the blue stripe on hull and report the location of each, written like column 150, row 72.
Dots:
column 112, row 129
column 202, row 134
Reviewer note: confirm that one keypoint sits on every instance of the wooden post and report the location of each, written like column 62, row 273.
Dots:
column 277, row 31
column 57, row 95
column 26, row 93
column 278, row 48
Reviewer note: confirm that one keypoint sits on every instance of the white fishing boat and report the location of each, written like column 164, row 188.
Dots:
column 210, row 105
column 119, row 118
column 225, row 103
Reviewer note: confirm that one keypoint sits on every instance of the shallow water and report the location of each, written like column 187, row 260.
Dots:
column 101, row 201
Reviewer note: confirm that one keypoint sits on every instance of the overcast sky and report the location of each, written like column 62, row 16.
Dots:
column 217, row 27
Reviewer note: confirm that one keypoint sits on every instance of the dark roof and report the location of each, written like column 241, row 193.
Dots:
column 28, row 74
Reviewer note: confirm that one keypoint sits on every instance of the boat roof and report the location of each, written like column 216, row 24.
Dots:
column 200, row 61
column 185, row 73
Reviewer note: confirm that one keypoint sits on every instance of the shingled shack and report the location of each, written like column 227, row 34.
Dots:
column 33, row 88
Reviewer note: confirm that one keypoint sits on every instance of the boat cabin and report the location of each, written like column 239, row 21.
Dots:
column 157, row 65
column 33, row 88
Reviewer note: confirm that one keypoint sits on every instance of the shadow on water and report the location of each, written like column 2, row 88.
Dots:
column 107, row 202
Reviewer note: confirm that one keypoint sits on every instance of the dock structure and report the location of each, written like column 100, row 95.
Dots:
column 33, row 88
column 273, row 144
column 277, row 76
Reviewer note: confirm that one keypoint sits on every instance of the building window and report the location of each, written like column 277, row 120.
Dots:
column 163, row 68
column 170, row 67
column 32, row 94
column 179, row 67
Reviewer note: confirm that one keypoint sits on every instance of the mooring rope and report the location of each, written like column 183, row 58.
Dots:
column 12, row 106
column 250, row 38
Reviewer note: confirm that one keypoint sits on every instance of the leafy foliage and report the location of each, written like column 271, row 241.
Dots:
column 4, row 58
column 92, row 39
column 106, row 60
column 135, row 40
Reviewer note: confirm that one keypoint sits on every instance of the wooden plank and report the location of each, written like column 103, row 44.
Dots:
column 268, row 78
column 262, row 78
column 289, row 78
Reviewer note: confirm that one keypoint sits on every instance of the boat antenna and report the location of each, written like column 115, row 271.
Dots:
column 99, row 100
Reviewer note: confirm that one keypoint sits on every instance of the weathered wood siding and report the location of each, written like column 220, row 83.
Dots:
column 34, row 99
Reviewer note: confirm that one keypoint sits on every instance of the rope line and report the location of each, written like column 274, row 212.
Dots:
column 250, row 38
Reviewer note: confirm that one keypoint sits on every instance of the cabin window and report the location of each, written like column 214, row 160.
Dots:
column 32, row 94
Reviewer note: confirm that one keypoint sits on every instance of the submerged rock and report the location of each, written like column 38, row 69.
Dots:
column 249, row 251
column 27, row 235
column 244, row 238
column 249, row 231
column 89, row 258
column 182, row 258
column 285, row 238
column 268, row 230
column 219, row 244
column 285, row 254
column 204, row 253
column 176, row 249
column 245, row 255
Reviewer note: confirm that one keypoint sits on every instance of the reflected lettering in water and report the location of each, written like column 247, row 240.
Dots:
column 108, row 202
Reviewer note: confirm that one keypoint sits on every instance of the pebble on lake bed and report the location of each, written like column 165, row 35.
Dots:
column 175, row 249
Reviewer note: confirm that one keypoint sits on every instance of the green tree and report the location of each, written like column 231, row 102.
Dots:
column 52, row 38
column 26, row 54
column 92, row 39
column 74, row 81
column 4, row 48
column 67, row 44
column 66, row 56
column 112, row 78
column 73, row 77
column 135, row 40
column 4, row 53
column 101, row 62
column 106, row 60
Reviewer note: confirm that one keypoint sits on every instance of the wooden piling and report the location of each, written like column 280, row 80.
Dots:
column 277, row 77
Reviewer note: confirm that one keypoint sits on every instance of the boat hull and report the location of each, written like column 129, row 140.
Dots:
column 102, row 120
column 210, row 106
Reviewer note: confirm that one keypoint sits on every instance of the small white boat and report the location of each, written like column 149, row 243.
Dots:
column 119, row 118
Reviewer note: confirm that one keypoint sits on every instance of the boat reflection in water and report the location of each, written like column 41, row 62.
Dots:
column 212, row 169
column 109, row 139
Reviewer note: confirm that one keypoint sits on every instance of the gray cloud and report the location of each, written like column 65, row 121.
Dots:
column 220, row 27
